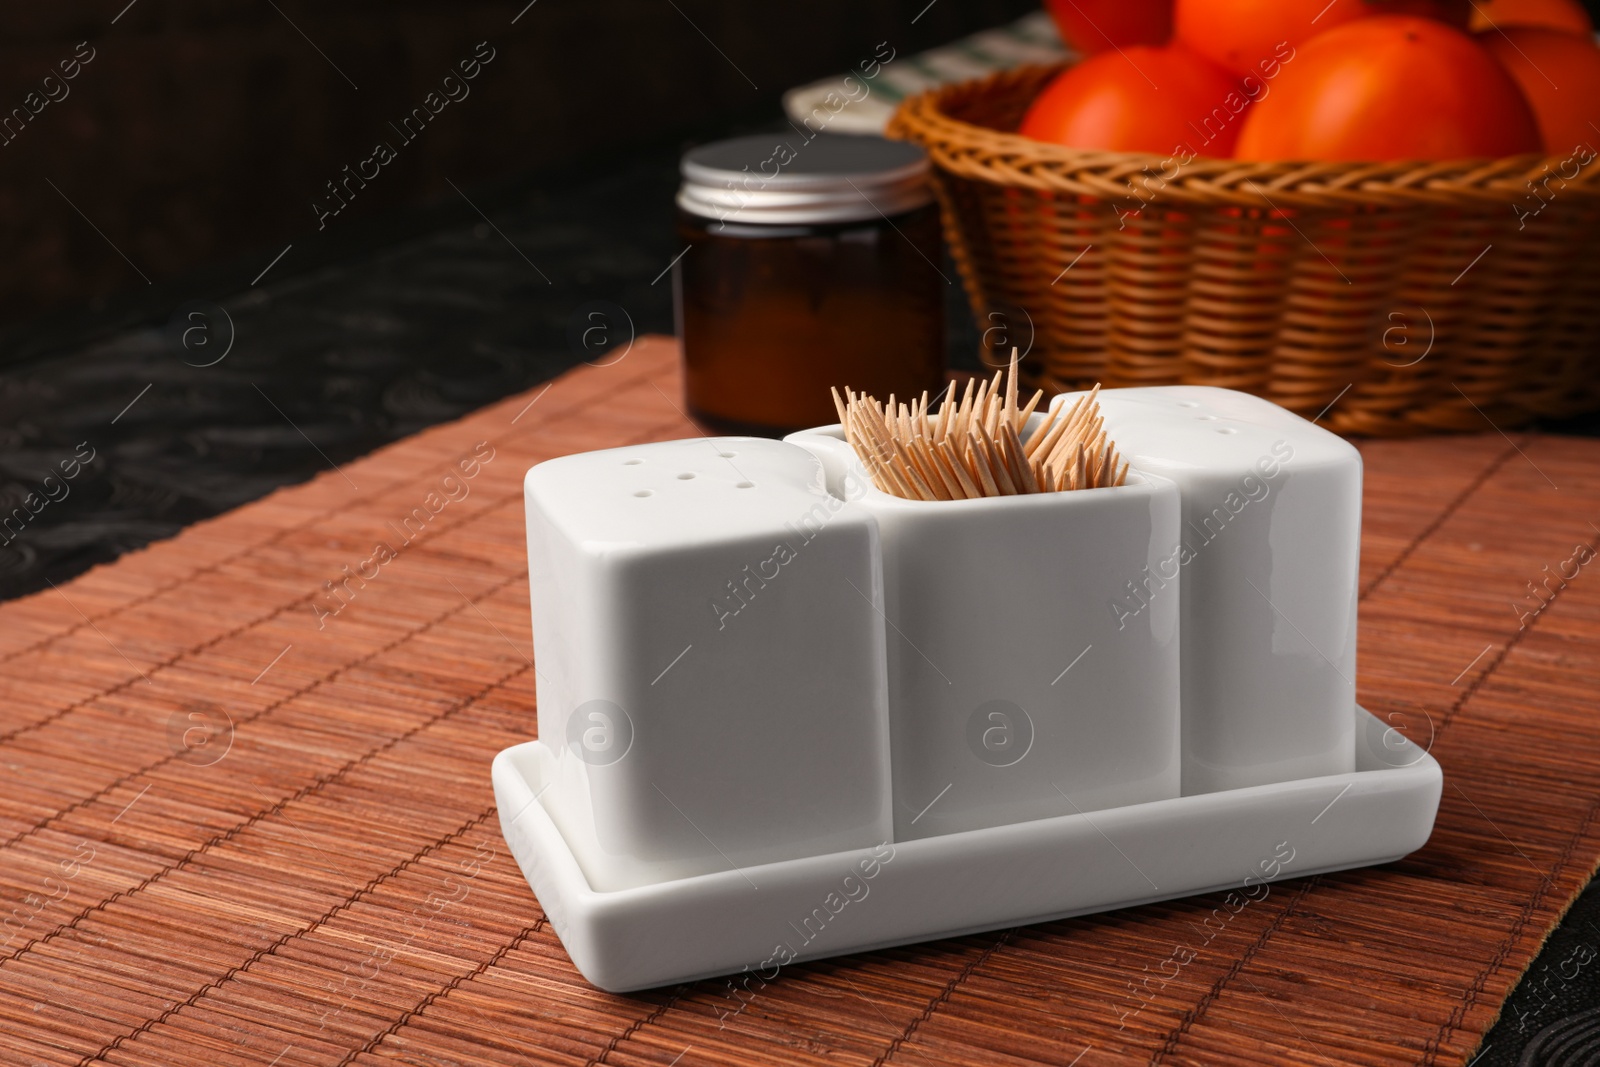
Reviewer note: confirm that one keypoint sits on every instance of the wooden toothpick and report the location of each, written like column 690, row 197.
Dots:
column 974, row 445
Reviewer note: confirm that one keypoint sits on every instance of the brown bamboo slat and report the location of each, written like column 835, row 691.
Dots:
column 334, row 890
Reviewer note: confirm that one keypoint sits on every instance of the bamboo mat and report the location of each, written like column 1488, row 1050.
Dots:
column 240, row 828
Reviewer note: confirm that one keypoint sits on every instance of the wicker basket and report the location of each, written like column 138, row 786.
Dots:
column 1413, row 294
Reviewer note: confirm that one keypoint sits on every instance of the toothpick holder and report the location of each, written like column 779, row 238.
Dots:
column 1015, row 691
column 784, row 715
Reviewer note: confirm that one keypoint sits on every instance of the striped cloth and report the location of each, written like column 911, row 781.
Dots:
column 863, row 103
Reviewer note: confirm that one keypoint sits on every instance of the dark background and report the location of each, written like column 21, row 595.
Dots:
column 202, row 131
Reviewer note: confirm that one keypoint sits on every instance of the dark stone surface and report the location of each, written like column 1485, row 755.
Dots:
column 1540, row 1024
column 379, row 342
column 323, row 367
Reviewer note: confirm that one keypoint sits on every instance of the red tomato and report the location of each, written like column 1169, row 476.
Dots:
column 1140, row 99
column 1391, row 87
column 1092, row 26
column 1552, row 14
column 1559, row 74
column 1247, row 36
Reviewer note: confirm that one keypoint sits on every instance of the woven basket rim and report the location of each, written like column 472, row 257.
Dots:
column 1008, row 158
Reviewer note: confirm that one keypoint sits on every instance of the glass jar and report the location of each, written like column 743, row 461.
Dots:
column 811, row 263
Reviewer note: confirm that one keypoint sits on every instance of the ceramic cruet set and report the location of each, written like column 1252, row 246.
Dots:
column 785, row 714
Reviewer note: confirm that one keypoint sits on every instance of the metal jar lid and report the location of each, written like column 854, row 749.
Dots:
column 789, row 179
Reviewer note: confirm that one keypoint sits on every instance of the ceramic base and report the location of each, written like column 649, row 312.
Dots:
column 759, row 918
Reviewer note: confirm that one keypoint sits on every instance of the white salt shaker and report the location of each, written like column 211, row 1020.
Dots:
column 1013, row 693
column 709, row 639
column 1267, row 559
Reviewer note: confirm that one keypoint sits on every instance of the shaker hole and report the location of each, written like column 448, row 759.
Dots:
column 744, row 485
column 632, row 462
column 1187, row 404
column 727, row 455
column 643, row 492
column 685, row 476
column 1227, row 429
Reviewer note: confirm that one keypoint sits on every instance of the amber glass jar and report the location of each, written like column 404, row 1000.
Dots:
column 810, row 264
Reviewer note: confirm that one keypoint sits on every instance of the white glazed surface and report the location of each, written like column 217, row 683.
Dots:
column 1013, row 694
column 1269, row 558
column 726, row 612
column 859, row 899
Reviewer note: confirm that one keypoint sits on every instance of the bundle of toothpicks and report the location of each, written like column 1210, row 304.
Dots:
column 973, row 447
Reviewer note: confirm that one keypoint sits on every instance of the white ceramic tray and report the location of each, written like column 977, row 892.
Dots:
column 762, row 917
